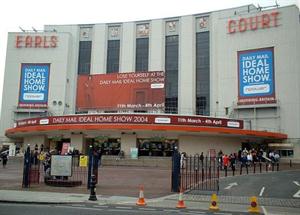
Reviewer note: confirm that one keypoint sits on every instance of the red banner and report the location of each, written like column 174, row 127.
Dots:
column 142, row 90
column 134, row 119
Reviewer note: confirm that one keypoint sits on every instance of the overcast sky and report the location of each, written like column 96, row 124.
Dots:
column 36, row 13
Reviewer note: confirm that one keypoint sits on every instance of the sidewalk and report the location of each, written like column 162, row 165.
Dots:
column 227, row 203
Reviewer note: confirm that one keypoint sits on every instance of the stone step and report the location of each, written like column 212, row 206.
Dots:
column 143, row 161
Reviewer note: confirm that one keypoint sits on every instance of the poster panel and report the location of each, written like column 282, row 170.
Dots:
column 256, row 73
column 61, row 165
column 142, row 90
column 34, row 85
column 65, row 148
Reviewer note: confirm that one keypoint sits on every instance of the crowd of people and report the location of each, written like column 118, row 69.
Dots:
column 247, row 158
column 244, row 157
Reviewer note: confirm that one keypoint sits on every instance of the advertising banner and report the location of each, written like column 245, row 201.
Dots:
column 133, row 119
column 256, row 76
column 138, row 91
column 34, row 85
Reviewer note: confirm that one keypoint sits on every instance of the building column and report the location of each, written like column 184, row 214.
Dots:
column 77, row 141
column 128, row 141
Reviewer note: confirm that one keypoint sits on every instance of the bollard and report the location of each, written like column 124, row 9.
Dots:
column 277, row 167
column 241, row 169
column 254, row 164
column 214, row 203
column 253, row 206
column 93, row 196
column 247, row 168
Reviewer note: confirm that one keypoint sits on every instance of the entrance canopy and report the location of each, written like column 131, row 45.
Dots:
column 164, row 123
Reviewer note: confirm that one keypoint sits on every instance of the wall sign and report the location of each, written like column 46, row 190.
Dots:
column 265, row 20
column 256, row 76
column 133, row 119
column 36, row 41
column 34, row 85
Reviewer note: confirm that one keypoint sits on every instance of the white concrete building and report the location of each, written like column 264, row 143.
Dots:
column 237, row 66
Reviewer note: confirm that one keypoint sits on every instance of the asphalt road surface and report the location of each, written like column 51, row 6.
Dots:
column 283, row 185
column 94, row 209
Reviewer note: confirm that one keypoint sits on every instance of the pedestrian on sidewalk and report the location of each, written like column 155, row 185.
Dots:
column 182, row 160
column 225, row 162
column 4, row 160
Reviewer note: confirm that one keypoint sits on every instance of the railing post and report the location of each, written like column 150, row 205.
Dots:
column 90, row 166
column 26, row 170
column 176, row 174
column 93, row 196
column 260, row 166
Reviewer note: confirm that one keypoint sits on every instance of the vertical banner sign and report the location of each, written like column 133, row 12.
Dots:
column 34, row 85
column 256, row 76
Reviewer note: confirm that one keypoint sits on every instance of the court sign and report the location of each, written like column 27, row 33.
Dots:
column 256, row 81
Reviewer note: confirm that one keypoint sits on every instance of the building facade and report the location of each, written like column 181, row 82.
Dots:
column 220, row 80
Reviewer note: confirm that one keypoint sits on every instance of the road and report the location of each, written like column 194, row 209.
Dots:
column 94, row 209
column 283, row 185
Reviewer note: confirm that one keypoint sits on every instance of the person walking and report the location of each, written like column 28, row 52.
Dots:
column 182, row 160
column 201, row 158
column 4, row 160
column 232, row 160
column 225, row 163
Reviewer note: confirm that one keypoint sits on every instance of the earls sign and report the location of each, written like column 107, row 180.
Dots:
column 36, row 41
column 263, row 21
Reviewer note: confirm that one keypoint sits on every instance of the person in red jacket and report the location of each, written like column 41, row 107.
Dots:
column 225, row 161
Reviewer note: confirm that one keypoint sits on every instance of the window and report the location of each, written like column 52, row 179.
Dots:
column 113, row 55
column 142, row 54
column 84, row 61
column 202, row 73
column 201, row 105
column 171, row 72
column 286, row 153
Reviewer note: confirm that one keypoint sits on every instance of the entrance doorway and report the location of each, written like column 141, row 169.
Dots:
column 156, row 147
